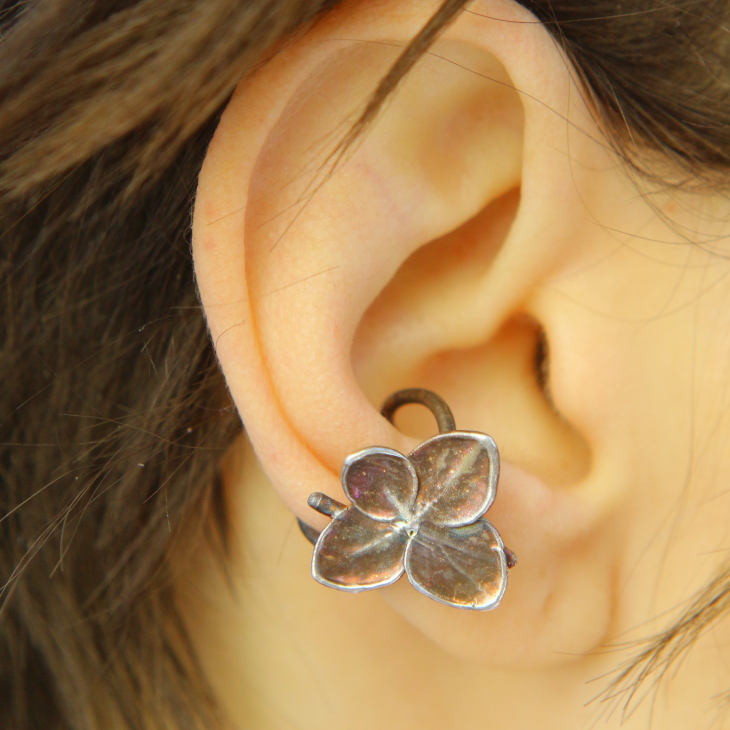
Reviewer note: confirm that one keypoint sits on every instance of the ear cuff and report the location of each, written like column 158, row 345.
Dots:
column 420, row 514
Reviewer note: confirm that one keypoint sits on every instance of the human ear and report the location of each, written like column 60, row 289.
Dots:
column 420, row 260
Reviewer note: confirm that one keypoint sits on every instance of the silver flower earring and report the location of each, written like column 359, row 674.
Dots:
column 421, row 514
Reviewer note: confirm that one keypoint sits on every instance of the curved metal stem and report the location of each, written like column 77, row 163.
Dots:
column 309, row 532
column 325, row 505
column 434, row 403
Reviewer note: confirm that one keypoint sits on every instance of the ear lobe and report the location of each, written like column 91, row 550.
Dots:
column 294, row 276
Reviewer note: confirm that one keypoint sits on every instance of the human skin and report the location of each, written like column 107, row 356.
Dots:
column 483, row 207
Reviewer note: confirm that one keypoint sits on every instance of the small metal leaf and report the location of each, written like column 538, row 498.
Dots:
column 356, row 553
column 464, row 566
column 457, row 477
column 380, row 482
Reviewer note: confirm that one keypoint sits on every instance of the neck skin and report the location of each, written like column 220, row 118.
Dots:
column 281, row 651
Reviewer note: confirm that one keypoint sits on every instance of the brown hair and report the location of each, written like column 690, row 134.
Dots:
column 113, row 412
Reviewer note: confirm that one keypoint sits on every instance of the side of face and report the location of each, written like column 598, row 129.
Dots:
column 481, row 216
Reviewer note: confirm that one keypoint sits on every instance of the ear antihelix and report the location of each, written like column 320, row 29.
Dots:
column 439, row 284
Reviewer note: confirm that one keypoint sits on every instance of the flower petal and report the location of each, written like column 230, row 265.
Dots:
column 380, row 482
column 355, row 553
column 460, row 566
column 457, row 477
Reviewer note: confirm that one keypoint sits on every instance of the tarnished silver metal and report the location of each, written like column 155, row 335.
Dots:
column 435, row 403
column 420, row 514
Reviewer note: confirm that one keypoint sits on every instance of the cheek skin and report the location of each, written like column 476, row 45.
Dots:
column 638, row 330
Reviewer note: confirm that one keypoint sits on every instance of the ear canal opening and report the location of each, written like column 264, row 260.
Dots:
column 501, row 387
